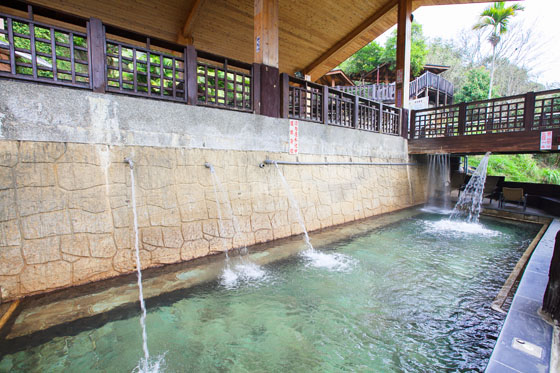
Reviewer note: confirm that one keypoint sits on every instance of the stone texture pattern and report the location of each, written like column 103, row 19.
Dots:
column 66, row 213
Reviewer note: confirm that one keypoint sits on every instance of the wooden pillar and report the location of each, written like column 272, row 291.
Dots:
column 96, row 41
column 266, row 54
column 191, row 84
column 529, row 111
column 266, row 32
column 402, row 93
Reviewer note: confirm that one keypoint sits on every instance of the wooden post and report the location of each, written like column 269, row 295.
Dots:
column 191, row 85
column 97, row 56
column 356, row 113
column 256, row 83
column 270, row 91
column 285, row 95
column 266, row 32
column 266, row 53
column 325, row 106
column 412, row 124
column 462, row 117
column 402, row 92
column 380, row 117
column 551, row 300
column 404, row 123
column 529, row 111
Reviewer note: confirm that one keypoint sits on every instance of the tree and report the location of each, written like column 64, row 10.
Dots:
column 496, row 17
column 475, row 87
column 418, row 50
column 364, row 60
column 373, row 55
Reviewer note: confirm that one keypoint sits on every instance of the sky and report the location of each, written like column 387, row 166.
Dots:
column 447, row 22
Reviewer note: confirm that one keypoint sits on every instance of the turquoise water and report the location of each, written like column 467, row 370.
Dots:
column 412, row 296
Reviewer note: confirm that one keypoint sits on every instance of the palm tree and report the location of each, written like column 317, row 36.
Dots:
column 496, row 17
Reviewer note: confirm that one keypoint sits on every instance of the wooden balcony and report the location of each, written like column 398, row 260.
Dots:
column 505, row 125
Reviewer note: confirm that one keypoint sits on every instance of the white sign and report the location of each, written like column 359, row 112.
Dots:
column 546, row 140
column 418, row 103
column 294, row 124
column 400, row 76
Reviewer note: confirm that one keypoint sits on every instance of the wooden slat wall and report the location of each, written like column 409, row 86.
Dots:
column 307, row 28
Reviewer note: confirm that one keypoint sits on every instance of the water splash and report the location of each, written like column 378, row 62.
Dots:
column 458, row 228
column 470, row 203
column 318, row 259
column 294, row 203
column 144, row 365
column 245, row 271
column 438, row 181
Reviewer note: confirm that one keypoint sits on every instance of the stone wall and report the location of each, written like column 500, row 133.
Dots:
column 66, row 215
column 65, row 190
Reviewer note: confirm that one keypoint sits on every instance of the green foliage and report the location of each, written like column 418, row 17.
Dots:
column 44, row 46
column 373, row 55
column 364, row 60
column 418, row 50
column 475, row 87
column 538, row 168
column 497, row 17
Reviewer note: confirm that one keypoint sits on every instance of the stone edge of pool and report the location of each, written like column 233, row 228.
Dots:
column 523, row 320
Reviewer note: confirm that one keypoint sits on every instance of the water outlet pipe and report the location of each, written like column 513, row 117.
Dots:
column 270, row 161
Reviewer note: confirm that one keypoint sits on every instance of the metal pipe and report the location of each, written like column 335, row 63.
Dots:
column 270, row 161
column 207, row 165
column 130, row 162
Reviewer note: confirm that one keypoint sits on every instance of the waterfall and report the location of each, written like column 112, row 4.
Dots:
column 469, row 205
column 144, row 364
column 439, row 181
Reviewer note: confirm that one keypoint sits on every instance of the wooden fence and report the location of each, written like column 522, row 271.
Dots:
column 532, row 111
column 108, row 59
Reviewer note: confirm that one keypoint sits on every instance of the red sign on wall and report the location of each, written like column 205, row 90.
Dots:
column 294, row 124
column 546, row 140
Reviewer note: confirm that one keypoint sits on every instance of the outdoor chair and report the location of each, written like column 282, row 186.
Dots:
column 513, row 195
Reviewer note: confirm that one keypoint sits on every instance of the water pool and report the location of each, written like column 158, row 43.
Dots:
column 413, row 295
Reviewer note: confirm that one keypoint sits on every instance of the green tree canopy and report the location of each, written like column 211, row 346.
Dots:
column 373, row 55
column 475, row 87
column 418, row 50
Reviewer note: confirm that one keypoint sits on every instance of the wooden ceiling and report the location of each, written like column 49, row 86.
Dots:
column 314, row 36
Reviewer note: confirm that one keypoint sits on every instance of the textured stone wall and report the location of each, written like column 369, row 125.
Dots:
column 66, row 213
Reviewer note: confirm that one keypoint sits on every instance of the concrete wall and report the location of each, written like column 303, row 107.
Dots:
column 65, row 192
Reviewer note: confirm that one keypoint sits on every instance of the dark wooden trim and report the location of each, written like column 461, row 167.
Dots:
column 256, row 79
column 356, row 111
column 508, row 142
column 412, row 124
column 529, row 111
column 97, row 60
column 191, row 84
column 285, row 92
column 325, row 105
column 404, row 123
column 270, row 91
column 462, row 117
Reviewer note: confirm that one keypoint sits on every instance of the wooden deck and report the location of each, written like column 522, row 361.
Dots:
column 506, row 125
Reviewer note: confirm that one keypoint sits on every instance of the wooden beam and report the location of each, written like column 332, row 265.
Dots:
column 404, row 39
column 185, row 34
column 510, row 142
column 312, row 68
column 266, row 32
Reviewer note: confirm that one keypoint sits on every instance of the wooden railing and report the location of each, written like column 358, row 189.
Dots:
column 108, row 59
column 31, row 50
column 532, row 111
column 96, row 60
column 318, row 103
column 386, row 92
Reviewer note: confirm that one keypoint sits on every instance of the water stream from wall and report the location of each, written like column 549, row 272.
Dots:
column 243, row 270
column 144, row 365
column 470, row 202
column 334, row 261
column 439, row 182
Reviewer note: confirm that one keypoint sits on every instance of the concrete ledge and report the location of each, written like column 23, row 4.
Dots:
column 37, row 112
column 523, row 320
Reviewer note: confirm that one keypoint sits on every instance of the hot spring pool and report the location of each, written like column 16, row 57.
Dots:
column 413, row 295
